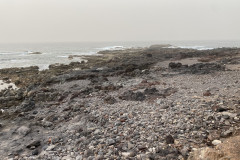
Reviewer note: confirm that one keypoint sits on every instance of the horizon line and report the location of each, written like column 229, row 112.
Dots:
column 40, row 42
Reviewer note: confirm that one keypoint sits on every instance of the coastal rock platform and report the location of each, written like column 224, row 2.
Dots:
column 145, row 103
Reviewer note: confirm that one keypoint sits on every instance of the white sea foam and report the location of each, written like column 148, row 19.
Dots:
column 112, row 48
column 4, row 85
column 87, row 53
column 24, row 55
column 19, row 60
column 58, row 53
column 62, row 56
column 192, row 47
column 9, row 53
column 43, row 67
column 30, row 52
column 76, row 53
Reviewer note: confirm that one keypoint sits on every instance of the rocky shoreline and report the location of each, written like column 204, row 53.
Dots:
column 145, row 103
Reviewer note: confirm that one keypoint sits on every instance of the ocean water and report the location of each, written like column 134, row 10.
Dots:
column 18, row 55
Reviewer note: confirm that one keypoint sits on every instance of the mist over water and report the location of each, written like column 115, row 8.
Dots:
column 18, row 55
column 109, row 25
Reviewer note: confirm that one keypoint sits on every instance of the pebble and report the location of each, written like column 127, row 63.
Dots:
column 227, row 133
column 88, row 153
column 128, row 154
column 23, row 130
column 232, row 115
column 35, row 152
column 97, row 131
column 164, row 107
column 130, row 145
column 169, row 139
column 236, row 118
column 79, row 157
column 99, row 157
column 51, row 147
column 216, row 142
column 67, row 158
column 111, row 142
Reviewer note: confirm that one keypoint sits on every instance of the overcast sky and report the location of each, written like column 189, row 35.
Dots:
column 118, row 20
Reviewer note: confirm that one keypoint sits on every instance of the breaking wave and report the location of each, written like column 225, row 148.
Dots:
column 112, row 48
column 192, row 47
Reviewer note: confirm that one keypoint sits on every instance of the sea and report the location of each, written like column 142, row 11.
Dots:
column 19, row 55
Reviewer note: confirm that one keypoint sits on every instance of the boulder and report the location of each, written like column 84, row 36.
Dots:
column 173, row 65
column 23, row 130
column 133, row 96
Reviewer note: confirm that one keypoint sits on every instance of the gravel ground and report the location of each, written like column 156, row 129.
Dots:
column 156, row 127
column 157, row 113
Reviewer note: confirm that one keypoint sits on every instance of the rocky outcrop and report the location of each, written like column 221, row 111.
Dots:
column 159, row 46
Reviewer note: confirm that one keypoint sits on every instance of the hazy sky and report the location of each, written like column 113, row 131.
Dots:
column 118, row 20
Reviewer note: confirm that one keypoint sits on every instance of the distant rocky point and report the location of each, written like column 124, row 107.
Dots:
column 35, row 53
column 159, row 46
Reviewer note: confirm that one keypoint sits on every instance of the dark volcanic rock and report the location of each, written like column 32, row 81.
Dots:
column 217, row 108
column 151, row 91
column 110, row 100
column 11, row 97
column 46, row 96
column 27, row 105
column 142, row 148
column 231, row 60
column 34, row 144
column 207, row 93
column 227, row 133
column 167, row 150
column 169, row 139
column 132, row 96
column 167, row 92
column 198, row 68
column 21, row 76
column 204, row 68
column 173, row 65
column 35, row 152
column 35, row 53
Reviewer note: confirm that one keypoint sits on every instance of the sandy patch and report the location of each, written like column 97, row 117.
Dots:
column 233, row 67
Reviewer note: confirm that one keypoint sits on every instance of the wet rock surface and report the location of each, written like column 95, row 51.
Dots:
column 122, row 105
